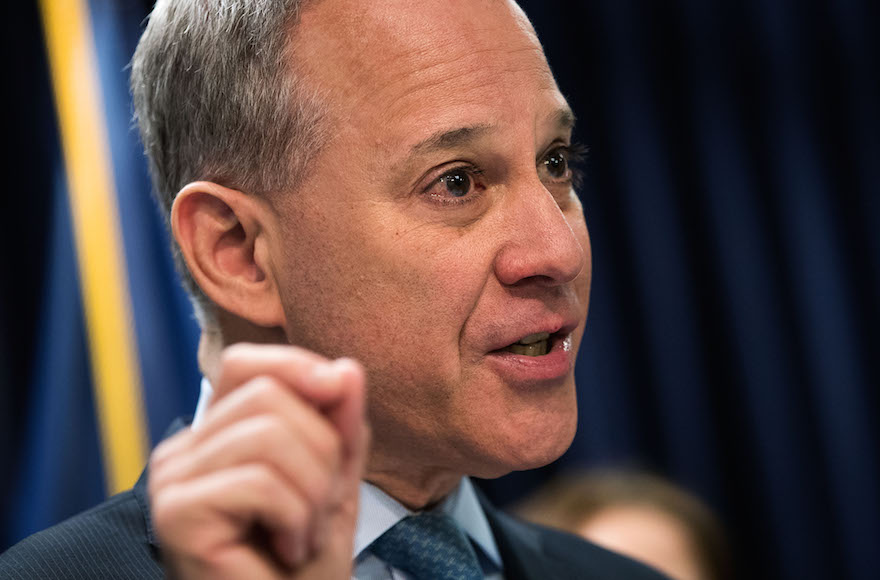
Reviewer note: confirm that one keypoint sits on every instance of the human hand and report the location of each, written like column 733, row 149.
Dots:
column 267, row 486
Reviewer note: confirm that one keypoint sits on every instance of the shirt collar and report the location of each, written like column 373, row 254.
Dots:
column 206, row 393
column 378, row 511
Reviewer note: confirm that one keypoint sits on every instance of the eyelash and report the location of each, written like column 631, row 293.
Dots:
column 472, row 172
column 574, row 154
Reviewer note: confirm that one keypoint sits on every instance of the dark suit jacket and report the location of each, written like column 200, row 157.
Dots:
column 115, row 540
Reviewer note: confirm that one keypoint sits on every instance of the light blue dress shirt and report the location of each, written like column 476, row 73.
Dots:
column 378, row 512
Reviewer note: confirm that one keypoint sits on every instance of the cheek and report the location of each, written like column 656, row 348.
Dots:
column 583, row 283
column 578, row 224
column 427, row 301
column 392, row 297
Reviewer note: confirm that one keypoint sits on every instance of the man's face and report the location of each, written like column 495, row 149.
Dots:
column 438, row 226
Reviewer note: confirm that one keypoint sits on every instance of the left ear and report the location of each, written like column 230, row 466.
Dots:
column 224, row 235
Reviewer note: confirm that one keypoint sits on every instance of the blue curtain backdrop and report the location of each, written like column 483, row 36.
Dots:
column 733, row 198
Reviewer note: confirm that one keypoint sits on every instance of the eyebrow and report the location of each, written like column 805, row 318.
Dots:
column 563, row 118
column 451, row 139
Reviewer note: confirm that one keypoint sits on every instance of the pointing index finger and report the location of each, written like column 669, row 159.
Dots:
column 304, row 371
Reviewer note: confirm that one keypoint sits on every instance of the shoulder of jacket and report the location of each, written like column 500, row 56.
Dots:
column 107, row 541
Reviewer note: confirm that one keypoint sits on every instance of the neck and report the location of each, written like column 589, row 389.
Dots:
column 210, row 349
column 417, row 488
column 230, row 329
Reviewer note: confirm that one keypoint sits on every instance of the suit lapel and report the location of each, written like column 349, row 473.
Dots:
column 140, row 488
column 143, row 501
column 521, row 547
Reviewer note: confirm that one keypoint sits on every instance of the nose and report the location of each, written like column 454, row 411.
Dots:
column 541, row 246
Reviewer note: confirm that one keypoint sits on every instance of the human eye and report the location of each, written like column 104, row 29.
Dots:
column 559, row 165
column 456, row 186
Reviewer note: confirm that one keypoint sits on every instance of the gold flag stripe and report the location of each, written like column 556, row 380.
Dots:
column 102, row 270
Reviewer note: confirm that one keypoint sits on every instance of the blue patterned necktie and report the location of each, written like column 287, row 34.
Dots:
column 429, row 547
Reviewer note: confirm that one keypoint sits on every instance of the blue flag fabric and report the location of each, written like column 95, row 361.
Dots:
column 59, row 468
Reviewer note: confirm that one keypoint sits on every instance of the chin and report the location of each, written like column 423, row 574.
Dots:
column 520, row 447
column 547, row 448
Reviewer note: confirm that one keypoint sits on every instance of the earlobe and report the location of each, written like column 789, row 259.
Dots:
column 222, row 236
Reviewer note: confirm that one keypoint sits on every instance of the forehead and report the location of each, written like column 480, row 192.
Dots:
column 428, row 62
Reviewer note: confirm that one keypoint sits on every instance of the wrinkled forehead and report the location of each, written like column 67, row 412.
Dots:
column 382, row 51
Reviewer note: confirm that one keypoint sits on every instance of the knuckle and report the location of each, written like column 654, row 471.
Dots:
column 270, row 432
column 166, row 505
column 160, row 455
column 233, row 354
column 164, row 465
column 263, row 480
column 169, row 448
column 319, row 485
column 174, row 526
column 329, row 446
column 265, row 388
column 155, row 483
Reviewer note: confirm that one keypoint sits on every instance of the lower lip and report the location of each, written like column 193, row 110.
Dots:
column 522, row 369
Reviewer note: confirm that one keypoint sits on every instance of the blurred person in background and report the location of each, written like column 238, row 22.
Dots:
column 639, row 514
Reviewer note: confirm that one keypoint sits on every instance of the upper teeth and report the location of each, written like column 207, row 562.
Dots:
column 533, row 338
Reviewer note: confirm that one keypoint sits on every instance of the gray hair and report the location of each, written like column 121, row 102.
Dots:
column 217, row 98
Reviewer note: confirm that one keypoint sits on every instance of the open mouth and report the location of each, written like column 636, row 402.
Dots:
column 537, row 344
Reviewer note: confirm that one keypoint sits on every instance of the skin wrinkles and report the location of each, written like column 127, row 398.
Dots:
column 450, row 139
column 384, row 20
column 467, row 143
column 494, row 177
column 463, row 62
column 454, row 68
column 418, row 292
column 463, row 137
column 483, row 85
